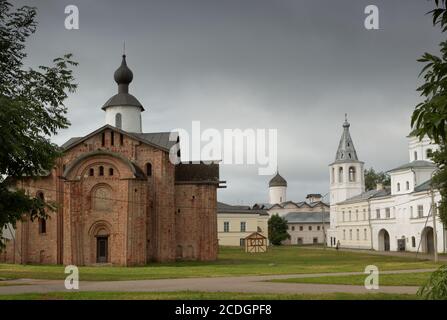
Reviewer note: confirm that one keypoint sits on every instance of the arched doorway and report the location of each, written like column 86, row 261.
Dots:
column 384, row 240
column 427, row 244
column 100, row 244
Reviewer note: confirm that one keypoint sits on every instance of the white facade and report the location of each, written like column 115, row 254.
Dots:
column 306, row 233
column 277, row 194
column 407, row 218
column 400, row 217
column 420, row 150
column 127, row 118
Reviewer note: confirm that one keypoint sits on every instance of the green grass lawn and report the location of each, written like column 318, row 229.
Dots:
column 232, row 261
column 403, row 279
column 194, row 295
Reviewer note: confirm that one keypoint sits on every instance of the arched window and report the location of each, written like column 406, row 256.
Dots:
column 148, row 169
column 333, row 175
column 408, row 185
column 413, row 242
column 118, row 120
column 42, row 226
column 101, row 170
column 398, row 186
column 91, row 172
column 351, row 174
column 340, row 174
column 110, row 171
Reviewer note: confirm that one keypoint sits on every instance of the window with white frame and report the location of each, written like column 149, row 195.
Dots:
column 378, row 213
column 244, row 226
column 387, row 213
column 420, row 211
column 226, row 226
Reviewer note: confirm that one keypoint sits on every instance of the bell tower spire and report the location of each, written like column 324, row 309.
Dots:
column 346, row 178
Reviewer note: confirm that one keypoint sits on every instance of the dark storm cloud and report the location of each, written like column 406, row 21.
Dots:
column 297, row 66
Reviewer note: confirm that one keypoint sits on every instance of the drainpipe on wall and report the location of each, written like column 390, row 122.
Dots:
column 369, row 221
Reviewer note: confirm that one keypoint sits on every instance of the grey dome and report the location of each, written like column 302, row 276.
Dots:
column 123, row 75
column 278, row 181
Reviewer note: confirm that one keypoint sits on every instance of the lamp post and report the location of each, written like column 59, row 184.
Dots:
column 322, row 219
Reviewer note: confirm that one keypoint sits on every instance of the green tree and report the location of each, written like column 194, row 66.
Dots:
column 372, row 178
column 277, row 230
column 31, row 111
column 436, row 286
column 430, row 116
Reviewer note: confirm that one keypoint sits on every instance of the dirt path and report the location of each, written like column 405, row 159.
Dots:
column 254, row 284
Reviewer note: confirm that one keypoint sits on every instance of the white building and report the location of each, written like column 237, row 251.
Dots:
column 307, row 220
column 385, row 219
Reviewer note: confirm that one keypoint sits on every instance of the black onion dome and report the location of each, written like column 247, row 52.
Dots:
column 123, row 75
column 278, row 181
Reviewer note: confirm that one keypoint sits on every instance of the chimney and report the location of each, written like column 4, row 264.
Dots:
column 313, row 197
column 379, row 186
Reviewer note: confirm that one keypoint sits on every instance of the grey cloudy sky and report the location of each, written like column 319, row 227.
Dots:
column 294, row 65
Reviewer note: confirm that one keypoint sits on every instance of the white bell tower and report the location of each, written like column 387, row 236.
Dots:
column 346, row 178
column 123, row 110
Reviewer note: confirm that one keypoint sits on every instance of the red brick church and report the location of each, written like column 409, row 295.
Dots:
column 119, row 199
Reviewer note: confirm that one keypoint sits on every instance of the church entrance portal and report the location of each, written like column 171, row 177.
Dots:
column 102, row 244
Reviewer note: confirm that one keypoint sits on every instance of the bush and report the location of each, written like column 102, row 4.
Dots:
column 436, row 287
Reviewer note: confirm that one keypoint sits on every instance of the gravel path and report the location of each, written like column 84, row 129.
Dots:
column 254, row 284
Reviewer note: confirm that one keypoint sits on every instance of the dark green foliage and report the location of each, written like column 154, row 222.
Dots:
column 430, row 116
column 277, row 230
column 436, row 287
column 31, row 111
column 372, row 178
